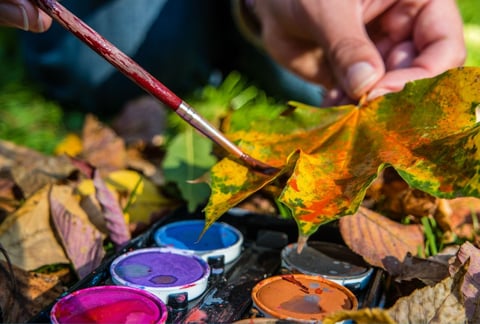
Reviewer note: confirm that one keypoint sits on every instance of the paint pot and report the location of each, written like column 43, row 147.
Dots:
column 162, row 272
column 219, row 239
column 109, row 304
column 301, row 297
column 329, row 260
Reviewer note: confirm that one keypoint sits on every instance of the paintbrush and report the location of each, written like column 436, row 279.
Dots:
column 145, row 80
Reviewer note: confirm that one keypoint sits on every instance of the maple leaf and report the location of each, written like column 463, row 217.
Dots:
column 329, row 157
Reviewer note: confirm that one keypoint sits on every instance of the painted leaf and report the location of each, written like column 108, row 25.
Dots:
column 427, row 132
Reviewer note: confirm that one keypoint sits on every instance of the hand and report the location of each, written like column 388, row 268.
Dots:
column 355, row 47
column 23, row 14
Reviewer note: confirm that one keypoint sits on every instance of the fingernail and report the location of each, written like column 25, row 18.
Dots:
column 359, row 76
column 26, row 24
column 376, row 93
column 332, row 97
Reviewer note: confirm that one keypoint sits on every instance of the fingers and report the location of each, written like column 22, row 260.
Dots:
column 436, row 45
column 351, row 55
column 23, row 15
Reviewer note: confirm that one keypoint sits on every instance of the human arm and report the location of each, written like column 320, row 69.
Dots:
column 23, row 14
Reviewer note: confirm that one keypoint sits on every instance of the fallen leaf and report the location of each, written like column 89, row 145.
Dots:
column 28, row 237
column 82, row 242
column 102, row 148
column 115, row 222
column 141, row 120
column 10, row 198
column 441, row 303
column 379, row 240
column 32, row 170
column 361, row 316
column 144, row 198
column 464, row 216
column 470, row 287
column 34, row 292
column 429, row 271
column 70, row 145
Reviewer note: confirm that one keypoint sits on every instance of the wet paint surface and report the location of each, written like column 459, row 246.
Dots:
column 301, row 297
column 185, row 235
column 159, row 269
column 109, row 304
column 323, row 258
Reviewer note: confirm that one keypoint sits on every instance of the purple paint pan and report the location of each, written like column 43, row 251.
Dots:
column 162, row 272
column 109, row 304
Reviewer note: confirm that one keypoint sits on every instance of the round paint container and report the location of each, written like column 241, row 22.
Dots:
column 109, row 304
column 162, row 272
column 329, row 260
column 219, row 239
column 301, row 297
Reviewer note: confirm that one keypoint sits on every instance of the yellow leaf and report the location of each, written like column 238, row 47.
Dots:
column 70, row 145
column 144, row 198
column 362, row 316
column 125, row 180
column 86, row 187
column 28, row 237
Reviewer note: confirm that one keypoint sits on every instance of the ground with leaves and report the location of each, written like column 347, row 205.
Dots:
column 62, row 214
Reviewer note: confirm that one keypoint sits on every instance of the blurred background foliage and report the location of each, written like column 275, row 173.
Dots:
column 29, row 119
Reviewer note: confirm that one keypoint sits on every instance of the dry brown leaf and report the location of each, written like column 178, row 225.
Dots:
column 82, row 242
column 8, row 197
column 28, row 237
column 102, row 147
column 378, row 239
column 470, row 288
column 32, row 170
column 35, row 291
column 441, row 303
column 141, row 120
column 462, row 213
column 430, row 271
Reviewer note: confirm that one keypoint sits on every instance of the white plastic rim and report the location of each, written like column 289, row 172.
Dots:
column 161, row 271
column 219, row 239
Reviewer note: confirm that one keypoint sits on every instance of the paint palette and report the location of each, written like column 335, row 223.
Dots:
column 161, row 272
column 220, row 239
column 211, row 280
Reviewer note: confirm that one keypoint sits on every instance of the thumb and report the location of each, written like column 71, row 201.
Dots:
column 353, row 58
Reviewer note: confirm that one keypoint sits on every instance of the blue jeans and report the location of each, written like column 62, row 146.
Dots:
column 180, row 42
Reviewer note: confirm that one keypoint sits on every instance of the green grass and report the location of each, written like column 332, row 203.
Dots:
column 29, row 119
column 26, row 117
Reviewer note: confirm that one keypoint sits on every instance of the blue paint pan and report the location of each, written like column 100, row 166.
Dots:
column 219, row 239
